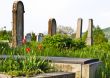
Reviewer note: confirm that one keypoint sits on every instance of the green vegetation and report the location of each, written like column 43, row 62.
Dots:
column 107, row 33
column 33, row 37
column 101, row 51
column 62, row 41
column 5, row 35
column 57, row 45
column 99, row 36
column 28, row 66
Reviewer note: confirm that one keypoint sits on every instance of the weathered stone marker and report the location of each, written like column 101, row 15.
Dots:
column 89, row 36
column 79, row 28
column 28, row 37
column 52, row 26
column 40, row 37
column 18, row 23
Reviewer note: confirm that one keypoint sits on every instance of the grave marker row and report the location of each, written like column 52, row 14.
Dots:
column 89, row 40
column 18, row 26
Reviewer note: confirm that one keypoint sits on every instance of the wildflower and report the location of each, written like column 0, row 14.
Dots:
column 23, row 40
column 28, row 50
column 40, row 46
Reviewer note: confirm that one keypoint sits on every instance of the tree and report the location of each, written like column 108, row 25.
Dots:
column 65, row 30
column 99, row 36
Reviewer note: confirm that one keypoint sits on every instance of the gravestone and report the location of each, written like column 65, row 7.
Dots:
column 18, row 23
column 40, row 37
column 89, row 40
column 79, row 28
column 52, row 26
column 28, row 37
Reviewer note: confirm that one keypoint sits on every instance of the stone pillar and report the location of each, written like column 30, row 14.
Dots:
column 79, row 28
column 52, row 26
column 18, row 23
column 89, row 36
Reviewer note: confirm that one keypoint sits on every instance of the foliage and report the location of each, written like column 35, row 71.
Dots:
column 33, row 37
column 5, row 35
column 107, row 31
column 4, row 48
column 73, row 35
column 78, row 44
column 84, row 37
column 29, row 65
column 62, row 41
column 99, row 36
column 101, row 51
column 57, row 45
column 58, row 41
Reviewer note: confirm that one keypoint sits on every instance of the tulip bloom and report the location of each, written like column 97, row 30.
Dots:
column 23, row 40
column 28, row 50
column 39, row 46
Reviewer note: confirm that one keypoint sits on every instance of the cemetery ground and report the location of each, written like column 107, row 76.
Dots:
column 28, row 61
column 56, row 45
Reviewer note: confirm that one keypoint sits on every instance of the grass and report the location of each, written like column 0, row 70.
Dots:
column 28, row 66
column 101, row 51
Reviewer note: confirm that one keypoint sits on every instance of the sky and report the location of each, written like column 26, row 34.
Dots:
column 66, row 12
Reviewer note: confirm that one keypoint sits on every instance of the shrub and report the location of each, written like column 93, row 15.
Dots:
column 57, row 41
column 63, row 41
column 78, row 44
column 5, row 35
column 99, row 36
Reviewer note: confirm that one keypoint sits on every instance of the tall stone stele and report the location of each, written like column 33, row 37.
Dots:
column 89, row 40
column 18, row 23
column 52, row 26
column 79, row 28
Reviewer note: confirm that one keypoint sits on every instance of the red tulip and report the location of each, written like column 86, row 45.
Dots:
column 28, row 50
column 23, row 40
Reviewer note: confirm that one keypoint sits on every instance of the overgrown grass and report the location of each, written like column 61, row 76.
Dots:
column 101, row 51
column 27, row 66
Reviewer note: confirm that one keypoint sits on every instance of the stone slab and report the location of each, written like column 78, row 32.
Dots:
column 59, row 59
column 71, row 60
